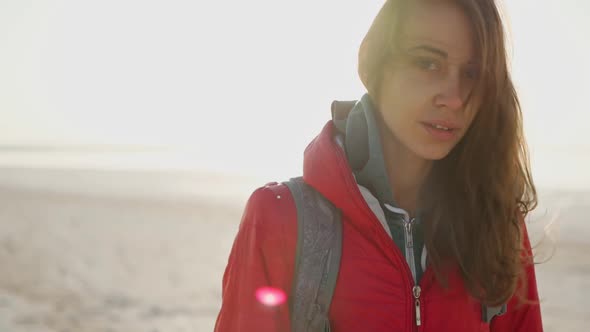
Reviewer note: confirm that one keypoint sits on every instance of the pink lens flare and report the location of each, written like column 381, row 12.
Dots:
column 270, row 296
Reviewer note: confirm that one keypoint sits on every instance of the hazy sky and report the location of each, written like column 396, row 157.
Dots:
column 246, row 84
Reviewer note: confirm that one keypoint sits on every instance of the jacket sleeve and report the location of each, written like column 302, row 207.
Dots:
column 262, row 255
column 522, row 315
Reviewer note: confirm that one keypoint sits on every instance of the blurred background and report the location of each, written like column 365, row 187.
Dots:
column 132, row 133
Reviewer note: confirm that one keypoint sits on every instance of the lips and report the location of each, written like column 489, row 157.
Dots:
column 442, row 125
column 441, row 130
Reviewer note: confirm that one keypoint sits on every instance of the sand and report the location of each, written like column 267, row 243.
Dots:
column 75, row 260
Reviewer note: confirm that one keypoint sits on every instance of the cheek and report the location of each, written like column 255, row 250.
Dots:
column 405, row 113
column 403, row 101
column 396, row 113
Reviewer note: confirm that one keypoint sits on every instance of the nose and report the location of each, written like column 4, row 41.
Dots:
column 450, row 95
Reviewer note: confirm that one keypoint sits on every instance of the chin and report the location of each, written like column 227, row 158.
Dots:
column 433, row 153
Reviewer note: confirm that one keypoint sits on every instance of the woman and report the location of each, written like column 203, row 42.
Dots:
column 430, row 173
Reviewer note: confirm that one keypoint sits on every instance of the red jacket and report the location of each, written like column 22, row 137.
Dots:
column 373, row 291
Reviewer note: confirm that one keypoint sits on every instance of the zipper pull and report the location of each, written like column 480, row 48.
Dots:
column 416, row 292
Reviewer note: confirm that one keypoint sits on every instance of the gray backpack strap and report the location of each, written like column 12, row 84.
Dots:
column 317, row 260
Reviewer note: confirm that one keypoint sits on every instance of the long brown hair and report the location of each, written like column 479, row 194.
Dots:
column 474, row 199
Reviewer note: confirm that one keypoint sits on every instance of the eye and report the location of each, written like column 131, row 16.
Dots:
column 426, row 63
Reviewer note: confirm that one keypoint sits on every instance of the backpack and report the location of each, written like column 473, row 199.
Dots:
column 318, row 253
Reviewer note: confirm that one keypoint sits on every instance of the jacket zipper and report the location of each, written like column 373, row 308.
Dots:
column 410, row 248
column 412, row 263
column 409, row 251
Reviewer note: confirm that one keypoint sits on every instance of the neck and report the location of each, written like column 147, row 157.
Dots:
column 406, row 171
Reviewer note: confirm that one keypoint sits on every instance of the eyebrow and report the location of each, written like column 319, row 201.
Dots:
column 438, row 52
column 430, row 49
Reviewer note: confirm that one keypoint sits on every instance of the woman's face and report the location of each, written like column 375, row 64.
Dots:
column 422, row 97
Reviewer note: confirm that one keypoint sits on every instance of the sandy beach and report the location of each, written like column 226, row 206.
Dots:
column 150, row 258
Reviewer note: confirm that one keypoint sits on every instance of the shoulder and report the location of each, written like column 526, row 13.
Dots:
column 270, row 192
column 270, row 224
column 271, row 211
